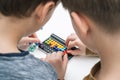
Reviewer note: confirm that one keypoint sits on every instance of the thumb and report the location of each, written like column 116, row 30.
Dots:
column 65, row 61
column 32, row 40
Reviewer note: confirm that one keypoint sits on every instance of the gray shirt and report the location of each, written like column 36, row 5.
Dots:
column 24, row 66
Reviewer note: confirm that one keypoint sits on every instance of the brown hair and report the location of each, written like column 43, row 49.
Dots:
column 105, row 13
column 20, row 8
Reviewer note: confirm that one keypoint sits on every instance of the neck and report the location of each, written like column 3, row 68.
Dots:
column 10, row 34
column 110, row 60
column 8, row 46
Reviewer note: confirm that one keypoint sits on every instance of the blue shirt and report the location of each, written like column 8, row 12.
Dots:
column 24, row 66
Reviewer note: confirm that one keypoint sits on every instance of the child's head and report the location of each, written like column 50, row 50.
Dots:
column 94, row 17
column 20, row 8
column 36, row 10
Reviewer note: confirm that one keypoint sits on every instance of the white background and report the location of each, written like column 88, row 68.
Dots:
column 60, row 24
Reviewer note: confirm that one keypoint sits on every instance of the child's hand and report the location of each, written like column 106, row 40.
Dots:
column 59, row 62
column 24, row 42
column 72, row 41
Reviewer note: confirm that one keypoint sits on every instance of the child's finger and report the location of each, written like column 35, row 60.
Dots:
column 72, row 52
column 32, row 40
column 65, row 60
column 59, row 54
column 72, row 44
column 75, row 52
column 71, row 37
column 34, row 35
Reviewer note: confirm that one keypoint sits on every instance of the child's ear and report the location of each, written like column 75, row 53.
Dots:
column 43, row 10
column 80, row 22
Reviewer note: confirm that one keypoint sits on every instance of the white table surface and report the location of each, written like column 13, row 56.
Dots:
column 60, row 24
column 78, row 67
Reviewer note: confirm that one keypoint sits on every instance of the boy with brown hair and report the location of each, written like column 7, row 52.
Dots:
column 19, row 18
column 97, row 24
